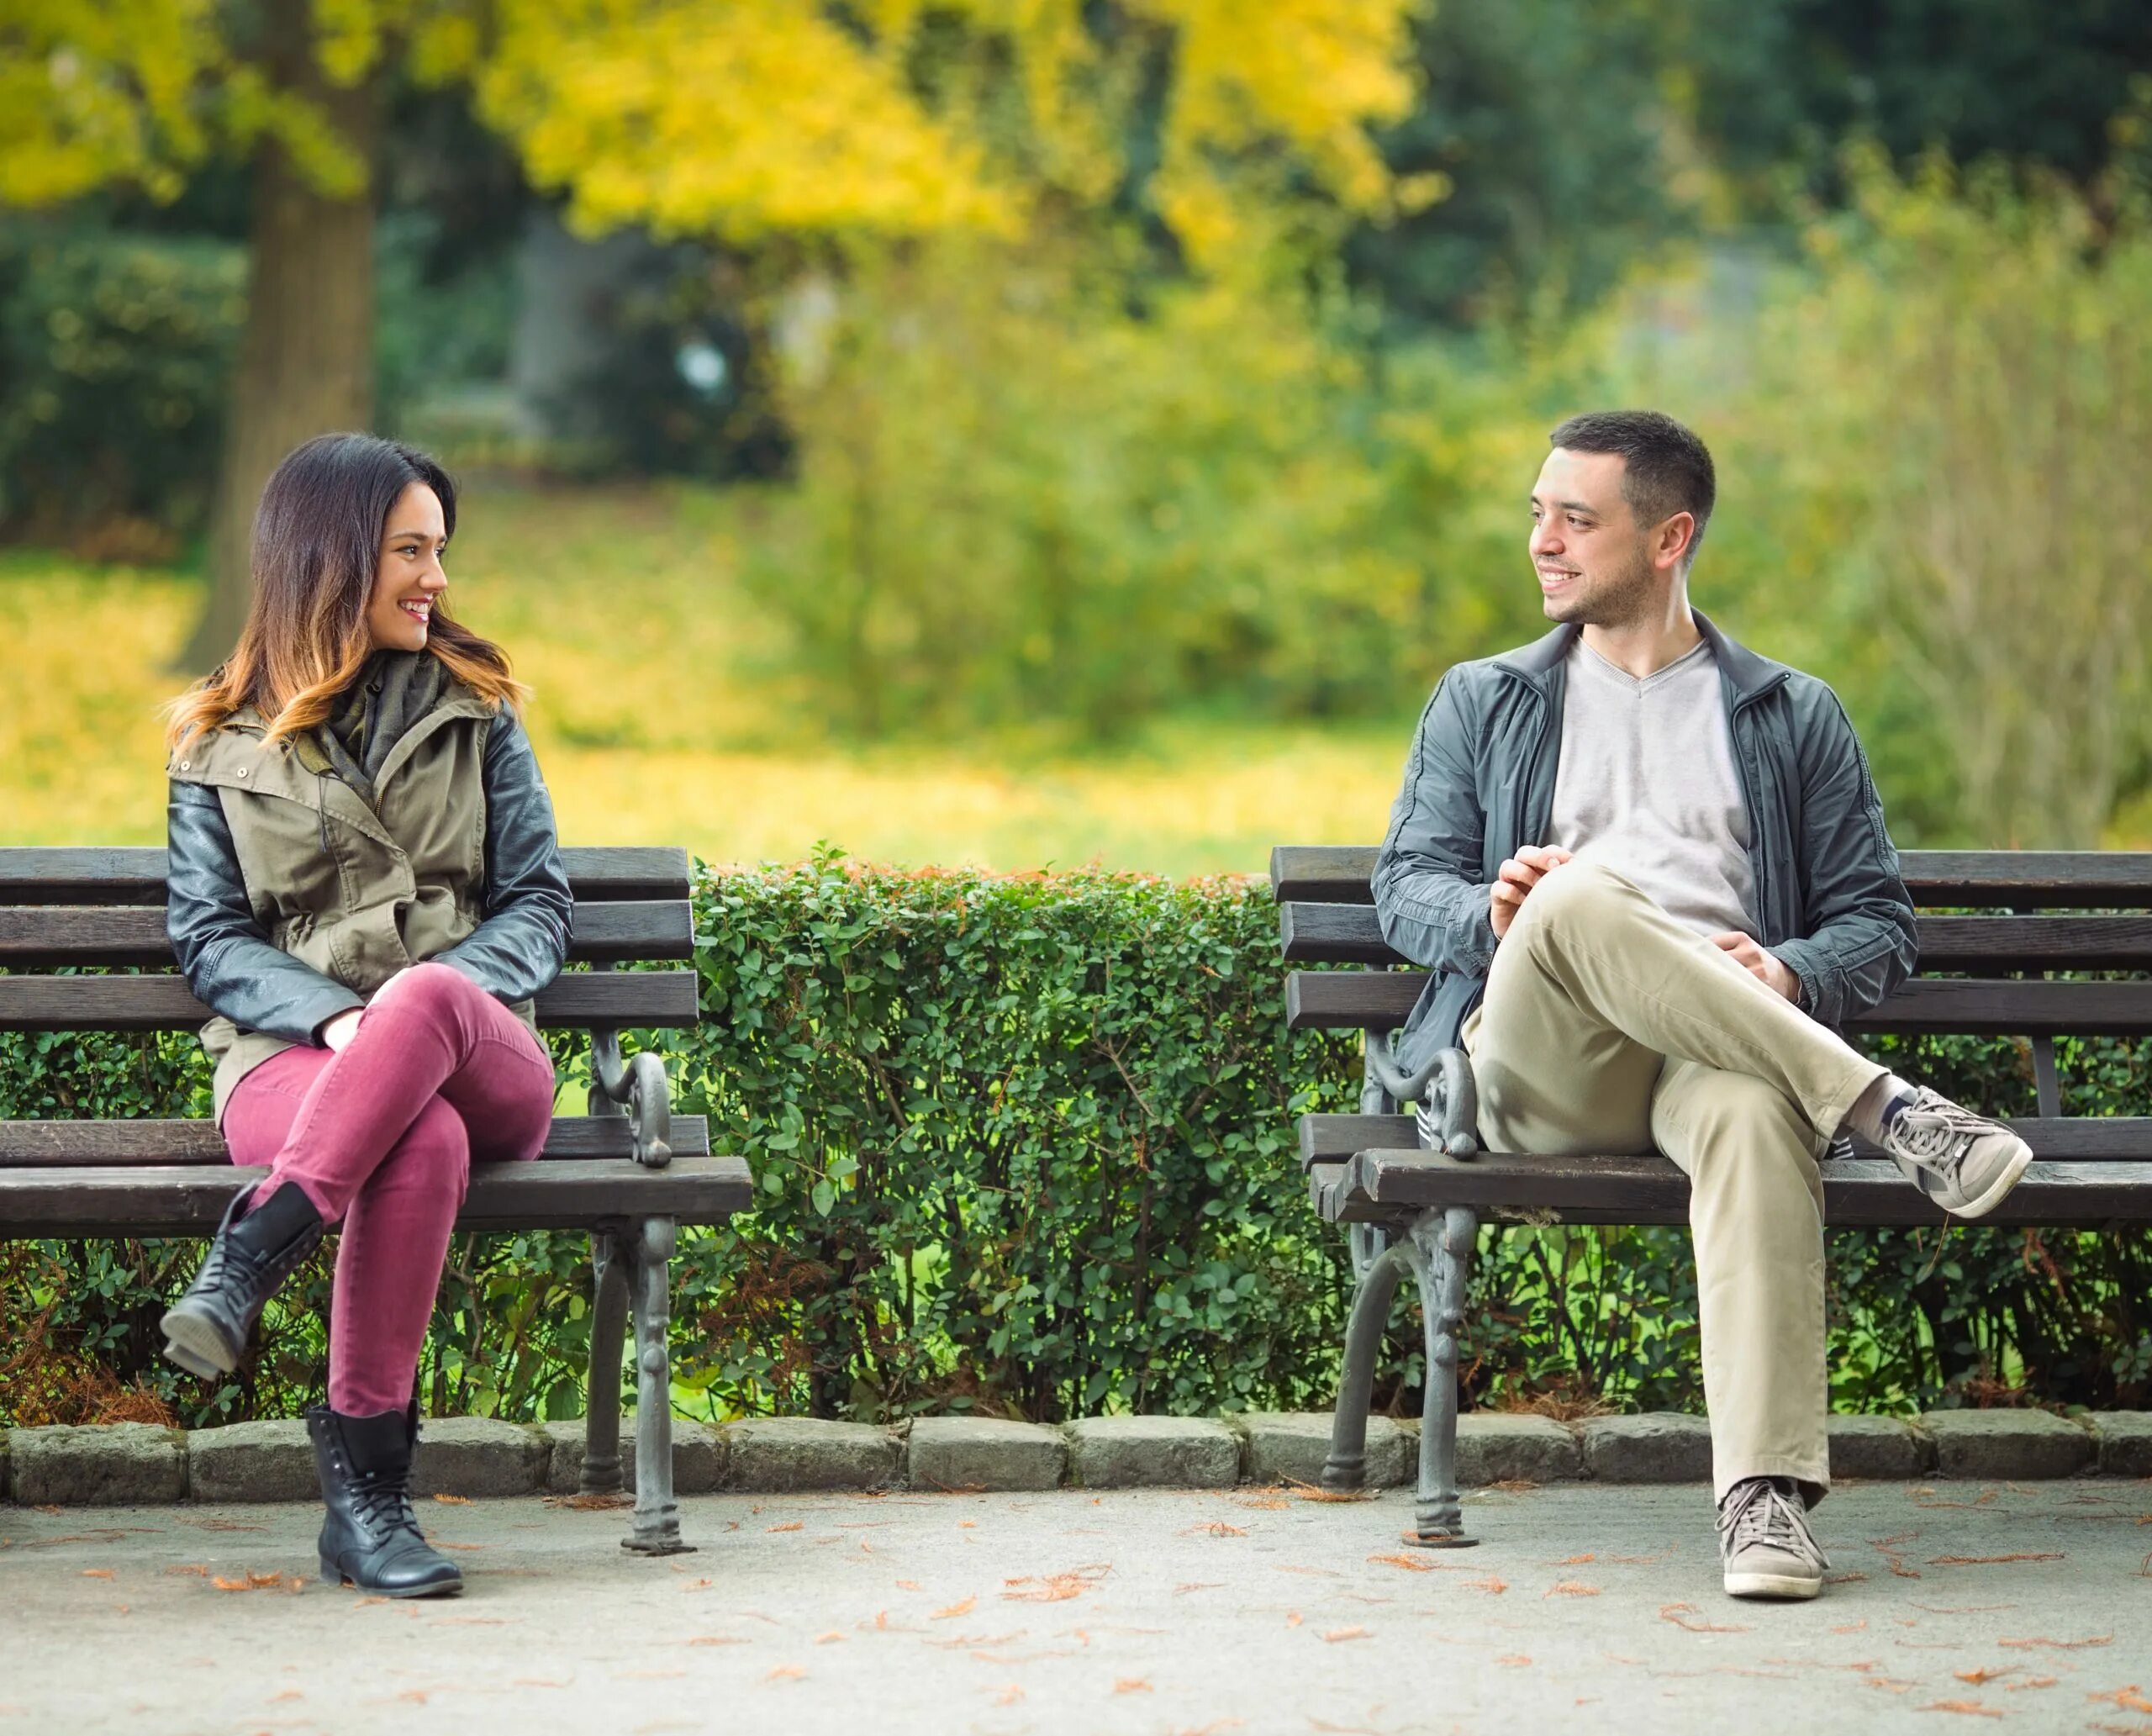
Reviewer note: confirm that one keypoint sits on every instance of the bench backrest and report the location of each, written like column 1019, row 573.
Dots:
column 1995, row 963
column 63, row 909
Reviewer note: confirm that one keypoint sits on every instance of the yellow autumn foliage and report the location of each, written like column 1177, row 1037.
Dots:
column 742, row 116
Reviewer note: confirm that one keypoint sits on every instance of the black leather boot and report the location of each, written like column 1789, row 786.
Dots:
column 206, row 1330
column 370, row 1539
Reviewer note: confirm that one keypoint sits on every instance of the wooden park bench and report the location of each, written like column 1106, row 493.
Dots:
column 629, row 1172
column 1409, row 1209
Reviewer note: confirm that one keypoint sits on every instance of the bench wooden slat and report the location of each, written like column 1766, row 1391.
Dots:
column 1970, row 880
column 639, row 999
column 1651, row 1191
column 134, row 874
column 172, row 1201
column 103, row 1144
column 1329, row 1139
column 44, row 937
column 1322, row 874
column 1349, row 934
column 1379, row 999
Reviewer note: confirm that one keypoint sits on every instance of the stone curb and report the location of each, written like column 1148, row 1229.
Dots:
column 111, row 1465
column 787, row 1455
column 471, row 1456
column 252, row 1461
column 1152, row 1453
column 954, row 1452
column 1507, row 1447
column 698, row 1457
column 2014, row 1445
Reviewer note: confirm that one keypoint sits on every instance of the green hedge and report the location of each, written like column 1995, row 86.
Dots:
column 1025, row 1144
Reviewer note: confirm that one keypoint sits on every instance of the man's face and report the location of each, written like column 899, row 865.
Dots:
column 1593, row 559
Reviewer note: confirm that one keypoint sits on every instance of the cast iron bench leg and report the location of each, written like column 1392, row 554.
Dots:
column 1381, row 1265
column 1442, row 1244
column 609, row 1319
column 657, row 1515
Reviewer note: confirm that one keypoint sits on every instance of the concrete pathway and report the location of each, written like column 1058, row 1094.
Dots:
column 1143, row 1613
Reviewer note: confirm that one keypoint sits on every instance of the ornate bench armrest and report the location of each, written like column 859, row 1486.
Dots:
column 639, row 1086
column 1443, row 1087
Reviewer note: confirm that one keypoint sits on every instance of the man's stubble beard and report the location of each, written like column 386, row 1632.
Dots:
column 1621, row 601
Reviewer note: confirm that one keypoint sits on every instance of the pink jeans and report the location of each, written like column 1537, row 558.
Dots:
column 381, row 1135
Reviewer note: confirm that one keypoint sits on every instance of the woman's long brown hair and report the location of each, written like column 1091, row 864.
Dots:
column 317, row 548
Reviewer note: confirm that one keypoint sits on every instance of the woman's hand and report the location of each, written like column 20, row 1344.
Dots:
column 336, row 1033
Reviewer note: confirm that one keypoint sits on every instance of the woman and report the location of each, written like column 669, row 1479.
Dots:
column 366, row 889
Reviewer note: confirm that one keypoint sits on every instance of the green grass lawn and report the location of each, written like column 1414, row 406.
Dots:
column 661, row 716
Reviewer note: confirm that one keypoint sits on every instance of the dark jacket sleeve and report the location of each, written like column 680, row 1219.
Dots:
column 520, row 947
column 1429, row 896
column 1862, row 938
column 231, row 964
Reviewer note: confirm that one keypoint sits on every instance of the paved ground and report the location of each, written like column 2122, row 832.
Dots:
column 1138, row 1612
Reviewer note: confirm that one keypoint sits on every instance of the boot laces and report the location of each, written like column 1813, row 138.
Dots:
column 1759, row 1513
column 382, row 1500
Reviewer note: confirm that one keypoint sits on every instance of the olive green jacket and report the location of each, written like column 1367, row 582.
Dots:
column 289, row 899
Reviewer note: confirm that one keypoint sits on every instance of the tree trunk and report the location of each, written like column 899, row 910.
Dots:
column 306, row 358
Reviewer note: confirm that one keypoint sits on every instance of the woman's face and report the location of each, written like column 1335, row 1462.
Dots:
column 409, row 576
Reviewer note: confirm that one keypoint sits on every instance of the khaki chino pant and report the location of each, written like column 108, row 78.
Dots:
column 1607, row 1027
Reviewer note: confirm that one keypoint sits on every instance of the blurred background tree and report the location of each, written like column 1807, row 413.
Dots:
column 684, row 117
column 1142, row 386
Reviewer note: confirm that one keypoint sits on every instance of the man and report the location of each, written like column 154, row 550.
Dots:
column 1651, row 875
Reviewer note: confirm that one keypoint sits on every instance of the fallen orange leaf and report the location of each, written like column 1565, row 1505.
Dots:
column 96, row 1573
column 2030, row 1681
column 1980, row 1678
column 1516, row 1660
column 1968, row 1708
column 955, row 1609
column 831, row 1638
column 796, row 1525
column 453, row 1501
column 2129, row 1699
column 908, row 1586
column 2061, row 1645
column 1572, row 1588
column 785, row 1672
column 1994, row 1560
column 1133, row 1684
column 1410, row 1563
column 1493, row 1586
column 1337, row 1633
column 1678, row 1614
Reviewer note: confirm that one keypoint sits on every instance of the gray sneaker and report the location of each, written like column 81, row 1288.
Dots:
column 1964, row 1162
column 1764, row 1541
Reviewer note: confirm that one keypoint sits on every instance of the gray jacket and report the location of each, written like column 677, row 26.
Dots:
column 289, row 897
column 1480, row 783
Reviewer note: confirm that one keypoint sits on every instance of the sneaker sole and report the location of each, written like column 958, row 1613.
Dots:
column 1998, row 1189
column 195, row 1346
column 1783, row 1587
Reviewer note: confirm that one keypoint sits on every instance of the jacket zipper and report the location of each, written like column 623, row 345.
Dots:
column 1759, row 859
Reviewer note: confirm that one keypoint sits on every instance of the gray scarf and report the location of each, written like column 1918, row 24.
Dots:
column 394, row 689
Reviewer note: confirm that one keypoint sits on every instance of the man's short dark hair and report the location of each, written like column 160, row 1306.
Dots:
column 1669, row 470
